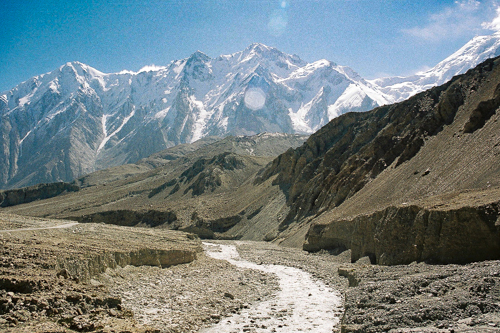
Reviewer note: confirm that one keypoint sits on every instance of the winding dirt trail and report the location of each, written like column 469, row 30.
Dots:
column 302, row 305
column 61, row 226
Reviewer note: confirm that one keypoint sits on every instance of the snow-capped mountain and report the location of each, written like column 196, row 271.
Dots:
column 469, row 56
column 76, row 119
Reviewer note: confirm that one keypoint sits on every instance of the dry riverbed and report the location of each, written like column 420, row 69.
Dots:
column 62, row 277
column 196, row 296
column 59, row 277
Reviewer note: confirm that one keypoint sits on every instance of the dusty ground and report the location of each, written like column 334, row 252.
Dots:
column 45, row 283
column 39, row 294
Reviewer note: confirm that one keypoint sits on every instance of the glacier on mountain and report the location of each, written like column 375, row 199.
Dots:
column 76, row 119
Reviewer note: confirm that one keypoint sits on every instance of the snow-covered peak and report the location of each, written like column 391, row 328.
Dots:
column 199, row 56
column 77, row 68
column 305, row 72
column 258, row 49
column 106, row 119
column 270, row 57
column 469, row 56
column 348, row 72
column 324, row 69
column 198, row 66
column 320, row 64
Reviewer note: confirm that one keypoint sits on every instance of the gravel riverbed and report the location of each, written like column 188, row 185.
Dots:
column 249, row 293
column 303, row 304
column 404, row 298
column 193, row 297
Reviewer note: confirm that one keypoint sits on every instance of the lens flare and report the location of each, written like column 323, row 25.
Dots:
column 255, row 98
column 278, row 22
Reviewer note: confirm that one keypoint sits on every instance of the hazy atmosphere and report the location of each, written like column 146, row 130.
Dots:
column 375, row 38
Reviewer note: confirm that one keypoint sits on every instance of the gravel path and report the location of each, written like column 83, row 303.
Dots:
column 303, row 304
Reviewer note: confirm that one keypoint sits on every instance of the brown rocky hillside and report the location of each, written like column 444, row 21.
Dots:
column 206, row 188
column 411, row 181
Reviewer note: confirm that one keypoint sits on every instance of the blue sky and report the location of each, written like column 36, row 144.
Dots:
column 375, row 38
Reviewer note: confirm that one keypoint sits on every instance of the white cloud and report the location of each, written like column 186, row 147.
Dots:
column 494, row 24
column 150, row 68
column 460, row 19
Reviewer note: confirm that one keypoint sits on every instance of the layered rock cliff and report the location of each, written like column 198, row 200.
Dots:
column 401, row 235
column 36, row 192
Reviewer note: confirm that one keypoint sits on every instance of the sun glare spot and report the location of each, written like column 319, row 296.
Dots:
column 255, row 98
column 278, row 22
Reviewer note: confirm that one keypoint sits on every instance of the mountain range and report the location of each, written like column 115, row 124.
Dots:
column 469, row 56
column 75, row 120
column 411, row 181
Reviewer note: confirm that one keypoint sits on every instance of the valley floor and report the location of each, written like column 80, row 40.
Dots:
column 197, row 297
column 247, row 291
column 210, row 295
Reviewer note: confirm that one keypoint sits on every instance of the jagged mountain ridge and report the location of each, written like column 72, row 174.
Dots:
column 469, row 56
column 75, row 120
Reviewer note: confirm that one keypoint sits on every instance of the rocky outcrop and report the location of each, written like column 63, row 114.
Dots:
column 129, row 218
column 401, row 235
column 205, row 174
column 36, row 192
column 211, row 229
column 483, row 112
column 84, row 269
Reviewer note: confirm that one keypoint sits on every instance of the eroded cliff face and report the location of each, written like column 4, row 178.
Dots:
column 33, row 193
column 50, row 272
column 86, row 268
column 401, row 235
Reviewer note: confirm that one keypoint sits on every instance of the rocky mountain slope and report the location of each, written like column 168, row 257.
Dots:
column 206, row 187
column 413, row 181
column 75, row 120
